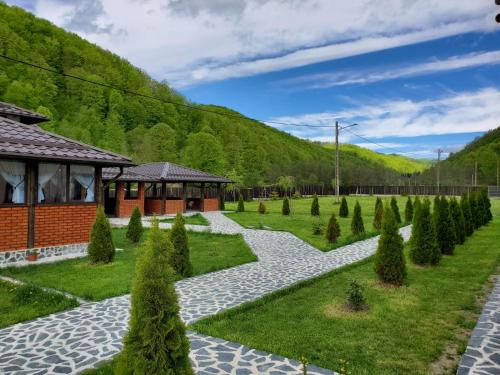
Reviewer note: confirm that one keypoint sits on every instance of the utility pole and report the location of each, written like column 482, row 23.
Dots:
column 337, row 163
column 439, row 151
column 475, row 173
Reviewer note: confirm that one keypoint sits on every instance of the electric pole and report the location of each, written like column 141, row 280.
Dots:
column 337, row 163
column 475, row 173
column 439, row 151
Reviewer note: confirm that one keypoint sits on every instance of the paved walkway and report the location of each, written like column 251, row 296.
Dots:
column 78, row 339
column 483, row 350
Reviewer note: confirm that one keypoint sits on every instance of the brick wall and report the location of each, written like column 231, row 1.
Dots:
column 63, row 224
column 13, row 228
column 211, row 204
column 173, row 206
column 152, row 206
column 126, row 206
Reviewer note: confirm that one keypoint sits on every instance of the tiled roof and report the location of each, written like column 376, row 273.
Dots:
column 27, row 117
column 23, row 141
column 164, row 171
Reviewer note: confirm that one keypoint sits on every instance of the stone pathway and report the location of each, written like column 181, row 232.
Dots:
column 78, row 339
column 483, row 350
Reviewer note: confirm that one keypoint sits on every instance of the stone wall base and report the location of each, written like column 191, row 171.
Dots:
column 73, row 250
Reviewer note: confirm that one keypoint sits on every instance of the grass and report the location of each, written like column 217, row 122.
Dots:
column 209, row 252
column 300, row 221
column 196, row 219
column 405, row 329
column 21, row 303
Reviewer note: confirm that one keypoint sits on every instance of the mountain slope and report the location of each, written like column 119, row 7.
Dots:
column 147, row 129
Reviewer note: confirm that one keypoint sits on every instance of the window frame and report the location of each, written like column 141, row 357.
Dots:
column 68, row 184
column 26, row 185
column 127, row 190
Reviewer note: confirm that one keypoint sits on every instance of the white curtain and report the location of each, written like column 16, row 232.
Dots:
column 85, row 176
column 13, row 172
column 45, row 173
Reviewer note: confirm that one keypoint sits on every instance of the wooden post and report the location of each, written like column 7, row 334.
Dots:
column 31, row 198
column 99, row 191
column 163, row 197
column 219, row 194
column 202, row 197
column 184, row 197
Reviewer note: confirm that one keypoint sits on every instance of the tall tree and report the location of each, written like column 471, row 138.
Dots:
column 203, row 151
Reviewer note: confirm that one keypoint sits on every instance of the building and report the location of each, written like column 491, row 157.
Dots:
column 161, row 188
column 50, row 187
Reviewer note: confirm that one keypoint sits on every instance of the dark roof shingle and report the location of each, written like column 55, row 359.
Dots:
column 27, row 117
column 31, row 142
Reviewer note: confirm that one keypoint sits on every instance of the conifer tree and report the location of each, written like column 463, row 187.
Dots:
column 180, row 259
column 389, row 259
column 357, row 226
column 409, row 211
column 424, row 249
column 333, row 230
column 445, row 230
column 465, row 206
column 344, row 209
column 101, row 248
column 262, row 208
column 241, row 204
column 458, row 221
column 285, row 209
column 156, row 342
column 315, row 206
column 487, row 205
column 481, row 209
column 379, row 214
column 474, row 208
column 395, row 209
column 134, row 227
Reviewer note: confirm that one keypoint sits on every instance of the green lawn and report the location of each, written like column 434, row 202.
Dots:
column 404, row 331
column 209, row 252
column 196, row 219
column 300, row 220
column 21, row 303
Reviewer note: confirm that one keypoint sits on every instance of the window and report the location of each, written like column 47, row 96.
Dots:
column 51, row 183
column 131, row 190
column 12, row 181
column 152, row 190
column 81, row 183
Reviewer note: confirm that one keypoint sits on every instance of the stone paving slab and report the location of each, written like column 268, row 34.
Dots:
column 81, row 338
column 482, row 355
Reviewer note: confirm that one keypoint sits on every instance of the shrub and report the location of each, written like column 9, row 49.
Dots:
column 357, row 226
column 465, row 206
column 134, row 227
column 389, row 260
column 262, row 208
column 274, row 196
column 180, row 259
column 241, row 204
column 285, row 209
column 458, row 221
column 424, row 249
column 317, row 226
column 156, row 341
column 315, row 206
column 379, row 214
column 296, row 195
column 333, row 230
column 395, row 210
column 409, row 211
column 487, row 206
column 474, row 208
column 445, row 230
column 355, row 299
column 344, row 209
column 101, row 248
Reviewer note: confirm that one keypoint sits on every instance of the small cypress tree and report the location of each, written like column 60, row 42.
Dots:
column 180, row 259
column 465, row 206
column 156, row 342
column 395, row 209
column 262, row 208
column 487, row 206
column 445, row 230
column 134, row 227
column 344, row 209
column 389, row 259
column 285, row 209
column 357, row 226
column 474, row 208
column 101, row 248
column 379, row 214
column 241, row 204
column 315, row 206
column 409, row 211
column 333, row 230
column 355, row 298
column 424, row 249
column 458, row 221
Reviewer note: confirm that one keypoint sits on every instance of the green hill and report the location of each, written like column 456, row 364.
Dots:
column 399, row 163
column 147, row 129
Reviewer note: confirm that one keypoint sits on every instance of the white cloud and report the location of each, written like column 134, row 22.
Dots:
column 360, row 76
column 190, row 42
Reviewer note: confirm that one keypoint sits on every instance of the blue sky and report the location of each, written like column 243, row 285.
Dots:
column 415, row 76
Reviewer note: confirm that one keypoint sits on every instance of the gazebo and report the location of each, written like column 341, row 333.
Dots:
column 161, row 188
